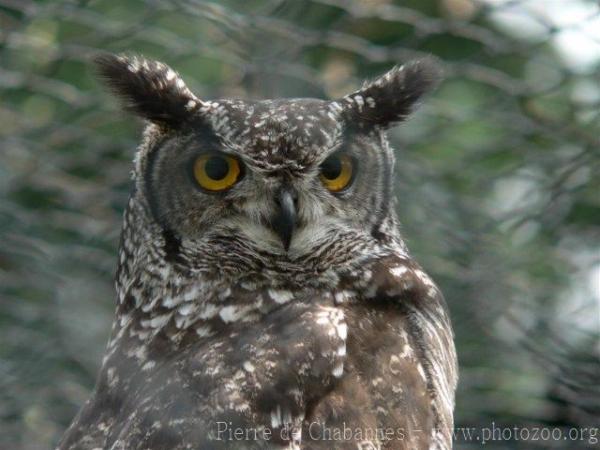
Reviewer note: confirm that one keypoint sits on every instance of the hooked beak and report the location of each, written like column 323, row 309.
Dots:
column 284, row 221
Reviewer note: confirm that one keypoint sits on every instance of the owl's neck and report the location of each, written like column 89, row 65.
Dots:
column 163, row 280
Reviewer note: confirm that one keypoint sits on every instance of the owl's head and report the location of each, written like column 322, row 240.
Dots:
column 287, row 177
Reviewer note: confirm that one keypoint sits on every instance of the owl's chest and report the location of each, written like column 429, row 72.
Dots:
column 222, row 350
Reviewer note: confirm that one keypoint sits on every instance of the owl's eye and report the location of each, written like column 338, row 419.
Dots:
column 336, row 172
column 215, row 172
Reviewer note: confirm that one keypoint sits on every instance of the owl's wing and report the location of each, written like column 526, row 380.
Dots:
column 400, row 374
column 255, row 380
column 260, row 379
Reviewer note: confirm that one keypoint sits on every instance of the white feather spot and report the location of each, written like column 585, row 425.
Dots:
column 406, row 351
column 421, row 372
column 170, row 75
column 280, row 296
column 342, row 330
column 157, row 322
column 276, row 417
column 149, row 365
column 359, row 101
column 394, row 364
column 398, row 271
column 341, row 297
column 338, row 370
column 187, row 309
column 323, row 318
column 229, row 314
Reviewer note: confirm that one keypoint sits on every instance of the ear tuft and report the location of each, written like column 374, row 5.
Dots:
column 150, row 89
column 393, row 96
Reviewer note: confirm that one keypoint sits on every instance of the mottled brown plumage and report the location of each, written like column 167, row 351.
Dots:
column 278, row 306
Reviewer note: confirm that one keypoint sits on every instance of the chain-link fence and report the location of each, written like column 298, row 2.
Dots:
column 497, row 177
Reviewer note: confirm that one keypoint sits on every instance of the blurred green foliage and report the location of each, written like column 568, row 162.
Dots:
column 497, row 179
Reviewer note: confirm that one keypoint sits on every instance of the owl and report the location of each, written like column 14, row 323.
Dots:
column 265, row 296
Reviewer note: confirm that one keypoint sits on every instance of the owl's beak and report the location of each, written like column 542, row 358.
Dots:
column 284, row 221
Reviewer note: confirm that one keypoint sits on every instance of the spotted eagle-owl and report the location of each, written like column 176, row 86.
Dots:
column 266, row 298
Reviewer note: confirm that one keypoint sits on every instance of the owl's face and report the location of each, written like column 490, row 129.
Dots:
column 282, row 176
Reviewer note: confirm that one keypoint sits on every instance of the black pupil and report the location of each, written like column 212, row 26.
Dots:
column 216, row 167
column 331, row 167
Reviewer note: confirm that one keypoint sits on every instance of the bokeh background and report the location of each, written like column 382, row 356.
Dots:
column 498, row 180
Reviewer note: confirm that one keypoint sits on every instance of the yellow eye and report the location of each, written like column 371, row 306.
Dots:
column 336, row 172
column 215, row 172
